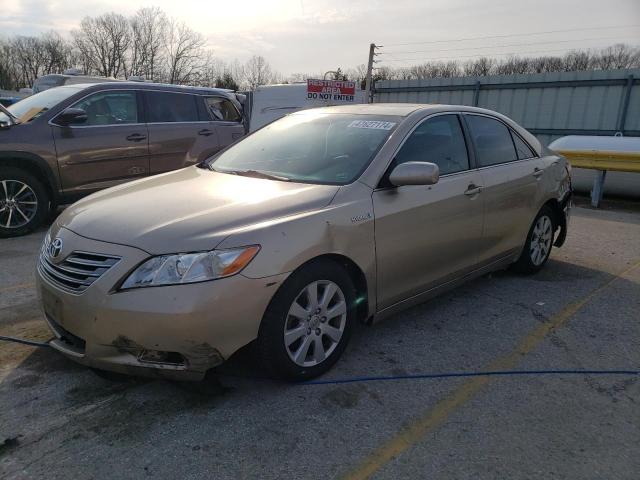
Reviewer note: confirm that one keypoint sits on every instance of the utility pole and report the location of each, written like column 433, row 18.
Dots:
column 367, row 85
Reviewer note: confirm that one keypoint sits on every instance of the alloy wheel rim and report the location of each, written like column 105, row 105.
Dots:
column 18, row 204
column 541, row 240
column 315, row 323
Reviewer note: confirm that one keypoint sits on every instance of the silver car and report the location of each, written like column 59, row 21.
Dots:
column 287, row 238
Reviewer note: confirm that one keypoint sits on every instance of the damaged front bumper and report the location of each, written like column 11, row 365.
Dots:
column 176, row 332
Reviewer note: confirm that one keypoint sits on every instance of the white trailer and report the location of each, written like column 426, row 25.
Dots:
column 269, row 102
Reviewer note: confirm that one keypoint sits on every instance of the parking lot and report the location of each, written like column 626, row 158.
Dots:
column 61, row 420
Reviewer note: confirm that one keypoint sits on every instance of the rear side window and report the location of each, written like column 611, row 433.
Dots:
column 171, row 107
column 437, row 140
column 110, row 108
column 222, row 109
column 492, row 140
column 522, row 149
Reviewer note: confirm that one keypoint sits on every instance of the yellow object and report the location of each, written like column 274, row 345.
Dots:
column 603, row 160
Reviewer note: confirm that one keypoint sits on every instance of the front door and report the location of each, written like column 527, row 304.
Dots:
column 109, row 148
column 428, row 235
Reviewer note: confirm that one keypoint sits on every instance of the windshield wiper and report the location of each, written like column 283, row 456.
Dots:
column 256, row 174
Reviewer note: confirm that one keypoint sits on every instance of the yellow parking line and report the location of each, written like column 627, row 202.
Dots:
column 17, row 287
column 436, row 416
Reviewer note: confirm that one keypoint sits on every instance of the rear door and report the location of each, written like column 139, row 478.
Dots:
column 109, row 148
column 510, row 173
column 225, row 119
column 178, row 137
column 428, row 235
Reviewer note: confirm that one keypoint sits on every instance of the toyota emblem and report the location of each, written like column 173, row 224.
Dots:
column 55, row 248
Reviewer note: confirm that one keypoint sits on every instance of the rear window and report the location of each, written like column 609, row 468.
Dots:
column 492, row 140
column 523, row 150
column 171, row 107
column 222, row 109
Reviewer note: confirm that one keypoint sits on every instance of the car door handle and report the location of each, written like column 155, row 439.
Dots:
column 205, row 132
column 537, row 172
column 236, row 136
column 472, row 190
column 136, row 137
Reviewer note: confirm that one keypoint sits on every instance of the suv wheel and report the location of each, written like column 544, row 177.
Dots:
column 537, row 248
column 308, row 322
column 24, row 202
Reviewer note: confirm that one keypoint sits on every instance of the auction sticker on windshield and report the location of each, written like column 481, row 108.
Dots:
column 374, row 124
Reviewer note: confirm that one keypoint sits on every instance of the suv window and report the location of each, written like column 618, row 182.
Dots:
column 437, row 140
column 110, row 108
column 523, row 150
column 171, row 107
column 492, row 140
column 222, row 109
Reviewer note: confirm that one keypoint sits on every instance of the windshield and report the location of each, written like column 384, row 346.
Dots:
column 309, row 147
column 35, row 105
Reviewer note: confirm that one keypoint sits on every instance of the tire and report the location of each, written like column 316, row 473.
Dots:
column 537, row 247
column 30, row 207
column 291, row 311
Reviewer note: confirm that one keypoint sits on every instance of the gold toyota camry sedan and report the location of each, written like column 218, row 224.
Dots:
column 287, row 238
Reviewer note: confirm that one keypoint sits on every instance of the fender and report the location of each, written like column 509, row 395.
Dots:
column 41, row 164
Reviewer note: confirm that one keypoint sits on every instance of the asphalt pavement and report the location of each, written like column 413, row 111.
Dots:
column 542, row 420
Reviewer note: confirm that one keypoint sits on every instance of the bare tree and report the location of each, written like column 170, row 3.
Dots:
column 105, row 41
column 149, row 30
column 618, row 56
column 479, row 67
column 183, row 49
column 257, row 71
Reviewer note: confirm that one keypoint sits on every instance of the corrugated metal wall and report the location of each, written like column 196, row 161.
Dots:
column 549, row 105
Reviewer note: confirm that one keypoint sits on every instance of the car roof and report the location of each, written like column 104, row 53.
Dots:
column 158, row 86
column 399, row 109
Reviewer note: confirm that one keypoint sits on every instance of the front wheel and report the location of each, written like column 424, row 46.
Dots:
column 308, row 323
column 538, row 245
column 24, row 202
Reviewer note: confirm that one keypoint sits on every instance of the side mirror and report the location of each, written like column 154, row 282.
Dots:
column 71, row 116
column 4, row 124
column 415, row 173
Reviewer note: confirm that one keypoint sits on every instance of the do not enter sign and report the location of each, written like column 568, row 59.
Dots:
column 334, row 90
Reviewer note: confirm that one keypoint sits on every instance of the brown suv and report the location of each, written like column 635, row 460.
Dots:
column 67, row 142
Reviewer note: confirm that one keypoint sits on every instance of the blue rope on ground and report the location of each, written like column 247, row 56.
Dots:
column 428, row 376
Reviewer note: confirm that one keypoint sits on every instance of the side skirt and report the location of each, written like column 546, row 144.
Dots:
column 499, row 264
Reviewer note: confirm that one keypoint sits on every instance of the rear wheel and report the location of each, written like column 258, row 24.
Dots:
column 308, row 323
column 539, row 243
column 24, row 202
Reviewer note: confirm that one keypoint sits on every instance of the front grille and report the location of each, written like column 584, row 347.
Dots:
column 77, row 271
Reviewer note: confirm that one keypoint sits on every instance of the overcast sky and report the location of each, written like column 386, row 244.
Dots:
column 318, row 35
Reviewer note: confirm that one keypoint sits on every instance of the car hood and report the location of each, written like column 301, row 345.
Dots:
column 187, row 210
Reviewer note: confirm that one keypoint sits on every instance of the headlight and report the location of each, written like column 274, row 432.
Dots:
column 190, row 267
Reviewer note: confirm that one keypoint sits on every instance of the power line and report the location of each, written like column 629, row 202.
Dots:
column 512, row 35
column 396, row 52
column 424, row 60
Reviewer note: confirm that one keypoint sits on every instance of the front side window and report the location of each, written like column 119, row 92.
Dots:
column 171, row 107
column 110, row 108
column 222, row 109
column 437, row 140
column 309, row 147
column 492, row 140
